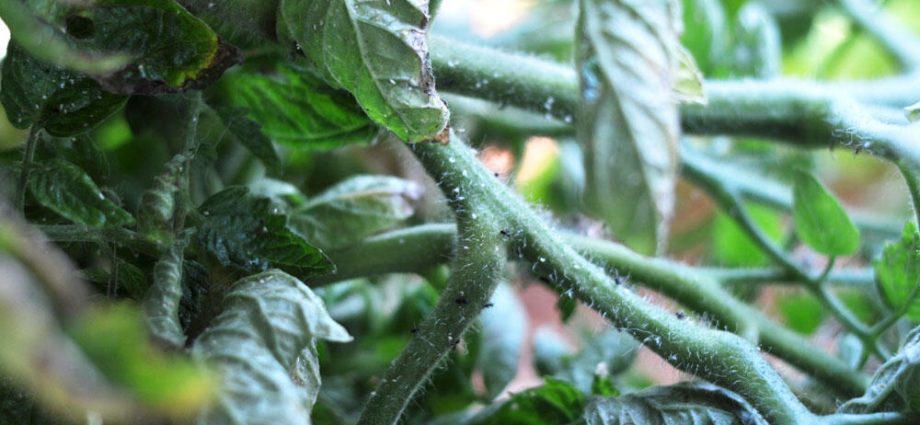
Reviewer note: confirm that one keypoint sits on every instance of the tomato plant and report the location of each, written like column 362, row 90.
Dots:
column 332, row 212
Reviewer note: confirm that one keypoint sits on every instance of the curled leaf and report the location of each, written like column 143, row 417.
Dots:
column 895, row 385
column 161, row 306
column 378, row 51
column 261, row 343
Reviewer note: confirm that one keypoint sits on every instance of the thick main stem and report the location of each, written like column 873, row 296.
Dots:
column 717, row 356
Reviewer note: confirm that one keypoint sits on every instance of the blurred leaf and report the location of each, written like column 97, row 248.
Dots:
column 43, row 40
column 913, row 112
column 115, row 339
column 615, row 349
column 627, row 120
column 161, row 305
column 693, row 403
column 65, row 189
column 172, row 49
column 355, row 209
column 378, row 51
column 802, row 313
column 550, row 351
column 820, row 220
column 249, row 133
column 158, row 202
column 504, row 329
column 61, row 102
column 705, row 33
column 688, row 84
column 897, row 272
column 758, row 52
column 298, row 110
column 250, row 233
column 262, row 344
column 895, row 387
column 733, row 247
column 556, row 402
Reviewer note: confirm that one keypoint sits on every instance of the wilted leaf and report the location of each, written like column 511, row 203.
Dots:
column 556, row 402
column 161, row 305
column 355, row 209
column 158, row 203
column 685, row 404
column 115, row 339
column 820, row 220
column 298, row 110
column 249, row 133
column 62, row 102
column 378, row 51
column 250, row 233
column 897, row 272
column 65, row 189
column 502, row 335
column 896, row 385
column 260, row 341
column 628, row 121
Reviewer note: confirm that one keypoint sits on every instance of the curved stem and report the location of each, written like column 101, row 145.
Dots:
column 476, row 269
column 717, row 356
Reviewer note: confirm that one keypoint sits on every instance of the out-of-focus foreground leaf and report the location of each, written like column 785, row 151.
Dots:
column 263, row 346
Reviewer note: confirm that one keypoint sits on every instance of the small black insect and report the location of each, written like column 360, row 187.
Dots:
column 619, row 279
column 414, row 330
column 496, row 174
column 506, row 233
column 461, row 300
column 487, row 305
column 680, row 315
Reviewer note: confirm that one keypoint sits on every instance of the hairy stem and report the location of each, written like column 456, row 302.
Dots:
column 718, row 356
column 476, row 269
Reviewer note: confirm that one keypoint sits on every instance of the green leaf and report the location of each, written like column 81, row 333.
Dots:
column 65, row 189
column 249, row 133
column 250, row 233
column 297, row 109
column 686, row 404
column 263, row 346
column 502, row 336
column 802, row 313
column 378, row 51
column 61, row 102
column 115, row 339
column 895, row 385
column 897, row 272
column 556, row 402
column 161, row 305
column 172, row 49
column 550, row 351
column 627, row 121
column 355, row 209
column 912, row 112
column 820, row 220
column 733, row 247
column 706, row 33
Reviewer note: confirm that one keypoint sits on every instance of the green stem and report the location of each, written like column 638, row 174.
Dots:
column 804, row 113
column 476, row 269
column 120, row 236
column 717, row 356
column 26, row 168
column 860, row 278
column 883, row 418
